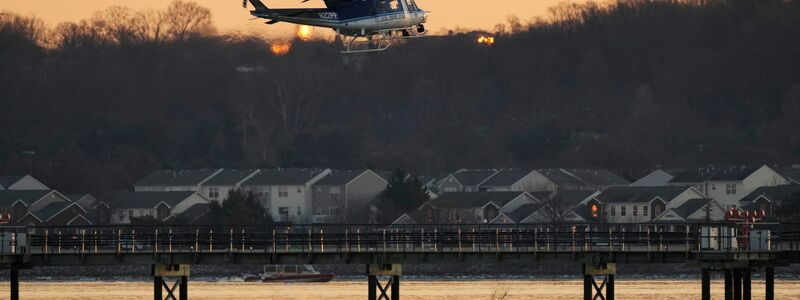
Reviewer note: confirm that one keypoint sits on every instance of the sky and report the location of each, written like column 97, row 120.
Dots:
column 229, row 14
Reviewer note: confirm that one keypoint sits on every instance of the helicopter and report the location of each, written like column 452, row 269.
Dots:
column 362, row 25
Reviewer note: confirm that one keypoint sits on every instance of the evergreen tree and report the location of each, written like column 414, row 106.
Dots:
column 239, row 208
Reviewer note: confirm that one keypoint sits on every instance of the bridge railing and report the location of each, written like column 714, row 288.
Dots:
column 347, row 238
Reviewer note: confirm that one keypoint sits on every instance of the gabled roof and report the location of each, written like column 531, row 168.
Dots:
column 341, row 177
column 177, row 177
column 792, row 174
column 474, row 199
column 432, row 180
column 7, row 198
column 731, row 173
column 542, row 196
column 283, row 177
column 9, row 180
column 690, row 207
column 597, row 177
column 573, row 198
column 640, row 194
column 506, row 177
column 523, row 212
column 229, row 177
column 150, row 199
column 773, row 193
column 473, row 177
column 560, row 178
column 194, row 212
column 51, row 210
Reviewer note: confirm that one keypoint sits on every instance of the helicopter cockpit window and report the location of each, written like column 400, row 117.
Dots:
column 411, row 5
column 383, row 6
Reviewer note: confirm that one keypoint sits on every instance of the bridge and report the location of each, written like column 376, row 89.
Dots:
column 595, row 249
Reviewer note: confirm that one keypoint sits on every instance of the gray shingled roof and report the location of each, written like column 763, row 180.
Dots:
column 560, row 178
column 598, row 177
column 9, row 180
column 573, row 198
column 196, row 211
column 506, row 177
column 523, row 212
column 176, row 177
column 733, row 173
column 50, row 210
column 340, row 177
column 150, row 199
column 691, row 206
column 283, row 177
column 473, row 177
column 773, row 193
column 228, row 177
column 474, row 199
column 640, row 194
column 7, row 198
column 791, row 174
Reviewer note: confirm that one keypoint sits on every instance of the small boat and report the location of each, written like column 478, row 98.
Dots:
column 289, row 273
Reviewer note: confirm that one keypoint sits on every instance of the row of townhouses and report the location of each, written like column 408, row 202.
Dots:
column 289, row 195
column 27, row 201
column 561, row 195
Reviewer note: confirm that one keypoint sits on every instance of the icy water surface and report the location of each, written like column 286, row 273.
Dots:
column 341, row 290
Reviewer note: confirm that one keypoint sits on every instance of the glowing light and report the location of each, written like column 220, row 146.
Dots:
column 281, row 48
column 595, row 211
column 305, row 32
column 486, row 40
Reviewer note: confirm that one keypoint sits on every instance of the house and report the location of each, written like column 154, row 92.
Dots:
column 175, row 180
column 471, row 207
column 525, row 214
column 571, row 206
column 286, row 193
column 575, row 179
column 20, row 203
column 217, row 187
column 769, row 198
column 99, row 212
column 158, row 205
column 59, row 213
column 464, row 181
column 21, row 183
column 341, row 193
column 514, row 180
column 728, row 185
column 641, row 204
column 197, row 214
column 659, row 177
column 694, row 210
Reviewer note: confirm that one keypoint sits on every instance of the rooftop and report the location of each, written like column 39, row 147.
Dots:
column 283, row 177
column 473, row 177
column 177, row 177
column 7, row 198
column 229, row 177
column 731, row 173
column 474, row 199
column 640, row 194
column 340, row 177
column 150, row 199
column 507, row 177
column 9, row 180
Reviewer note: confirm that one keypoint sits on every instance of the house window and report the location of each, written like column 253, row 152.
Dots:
column 318, row 190
column 334, row 193
column 635, row 210
column 644, row 210
column 299, row 189
column 213, row 192
column 730, row 189
column 283, row 192
column 283, row 210
column 713, row 186
column 613, row 211
column 299, row 210
column 622, row 210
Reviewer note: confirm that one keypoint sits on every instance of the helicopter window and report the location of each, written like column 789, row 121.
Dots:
column 411, row 5
column 383, row 6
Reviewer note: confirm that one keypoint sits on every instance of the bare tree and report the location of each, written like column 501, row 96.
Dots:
column 187, row 19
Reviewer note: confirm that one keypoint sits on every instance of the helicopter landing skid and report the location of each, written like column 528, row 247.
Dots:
column 379, row 41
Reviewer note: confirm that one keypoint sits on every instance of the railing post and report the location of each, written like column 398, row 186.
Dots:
column 14, row 281
column 321, row 241
column 706, row 284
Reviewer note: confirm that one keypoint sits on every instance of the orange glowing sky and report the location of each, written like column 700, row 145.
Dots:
column 229, row 14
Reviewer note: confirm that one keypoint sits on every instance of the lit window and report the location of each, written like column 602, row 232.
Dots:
column 595, row 211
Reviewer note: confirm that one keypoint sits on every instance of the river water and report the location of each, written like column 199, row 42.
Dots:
column 349, row 289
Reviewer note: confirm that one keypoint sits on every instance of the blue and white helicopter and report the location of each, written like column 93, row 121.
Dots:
column 363, row 25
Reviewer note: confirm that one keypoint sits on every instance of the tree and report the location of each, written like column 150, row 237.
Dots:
column 404, row 193
column 239, row 208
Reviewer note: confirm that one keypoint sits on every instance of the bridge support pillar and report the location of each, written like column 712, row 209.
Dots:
column 605, row 289
column 728, row 284
column 746, row 284
column 737, row 284
column 769, row 278
column 706, row 284
column 179, row 290
column 380, row 291
column 14, row 281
